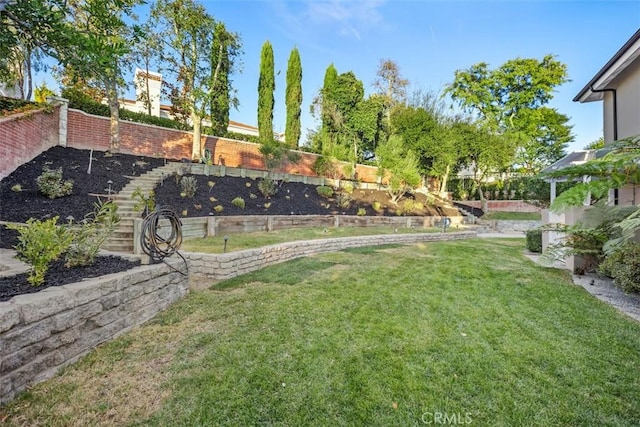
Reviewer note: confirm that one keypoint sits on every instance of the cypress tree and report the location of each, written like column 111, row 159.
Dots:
column 293, row 99
column 328, row 88
column 266, row 87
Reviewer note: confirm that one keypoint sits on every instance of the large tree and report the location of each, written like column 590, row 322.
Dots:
column 99, row 60
column 266, row 88
column 30, row 31
column 390, row 85
column 511, row 100
column 293, row 99
column 225, row 50
column 197, row 53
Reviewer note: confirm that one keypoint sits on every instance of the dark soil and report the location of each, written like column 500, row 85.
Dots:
column 20, row 200
column 59, row 275
column 292, row 198
column 18, row 204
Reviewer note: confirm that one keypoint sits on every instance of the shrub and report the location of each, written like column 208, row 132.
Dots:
column 324, row 191
column 144, row 203
column 267, row 187
column 90, row 235
column 534, row 240
column 376, row 206
column 50, row 183
column 408, row 206
column 188, row 185
column 348, row 188
column 343, row 200
column 361, row 212
column 623, row 265
column 239, row 202
column 16, row 188
column 39, row 244
column 218, row 208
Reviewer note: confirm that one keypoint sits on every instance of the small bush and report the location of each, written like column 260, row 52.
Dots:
column 50, row 183
column 408, row 206
column 343, row 200
column 376, row 206
column 534, row 240
column 361, row 212
column 348, row 188
column 144, row 203
column 16, row 188
column 324, row 191
column 218, row 208
column 267, row 187
column 623, row 265
column 239, row 202
column 90, row 235
column 39, row 244
column 188, row 185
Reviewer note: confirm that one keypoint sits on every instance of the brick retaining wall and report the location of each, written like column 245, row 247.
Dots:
column 44, row 331
column 503, row 205
column 24, row 136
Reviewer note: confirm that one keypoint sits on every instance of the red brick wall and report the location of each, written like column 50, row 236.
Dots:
column 88, row 131
column 504, row 205
column 25, row 135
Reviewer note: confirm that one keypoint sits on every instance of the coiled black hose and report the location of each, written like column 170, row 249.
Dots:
column 160, row 241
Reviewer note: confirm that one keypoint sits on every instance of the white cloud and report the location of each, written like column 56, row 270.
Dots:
column 348, row 17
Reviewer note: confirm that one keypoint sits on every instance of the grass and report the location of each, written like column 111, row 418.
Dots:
column 382, row 336
column 241, row 241
column 518, row 216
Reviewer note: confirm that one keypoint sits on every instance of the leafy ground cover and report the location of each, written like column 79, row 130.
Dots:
column 241, row 241
column 389, row 335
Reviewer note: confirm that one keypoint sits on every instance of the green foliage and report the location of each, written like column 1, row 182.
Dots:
column 623, row 265
column 293, row 99
column 16, row 188
column 39, row 244
column 218, row 208
column 399, row 165
column 579, row 240
column 510, row 101
column 239, row 202
column 145, row 203
column 50, row 183
column 376, row 206
column 343, row 200
column 267, row 187
column 12, row 106
column 276, row 154
column 534, row 240
column 327, row 166
column 619, row 166
column 266, row 88
column 325, row 191
column 88, row 237
column 188, row 186
column 361, row 212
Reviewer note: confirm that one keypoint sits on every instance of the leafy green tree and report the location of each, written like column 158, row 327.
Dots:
column 199, row 54
column 225, row 50
column 510, row 99
column 30, row 31
column 294, row 99
column 97, row 57
column 399, row 165
column 266, row 87
column 595, row 145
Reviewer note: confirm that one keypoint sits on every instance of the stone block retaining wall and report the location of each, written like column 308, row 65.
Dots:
column 506, row 226
column 225, row 266
column 44, row 331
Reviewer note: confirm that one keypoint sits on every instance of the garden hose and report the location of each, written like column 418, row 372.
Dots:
column 158, row 245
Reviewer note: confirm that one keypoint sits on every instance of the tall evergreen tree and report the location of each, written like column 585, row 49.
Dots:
column 225, row 47
column 266, row 87
column 328, row 104
column 293, row 99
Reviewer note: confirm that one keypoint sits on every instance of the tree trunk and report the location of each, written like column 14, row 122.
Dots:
column 483, row 200
column 114, row 109
column 445, row 178
column 196, row 147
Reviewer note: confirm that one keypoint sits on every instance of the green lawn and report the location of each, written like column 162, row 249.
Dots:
column 241, row 241
column 380, row 336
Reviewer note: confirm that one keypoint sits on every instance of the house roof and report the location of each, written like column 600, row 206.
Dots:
column 617, row 64
column 575, row 158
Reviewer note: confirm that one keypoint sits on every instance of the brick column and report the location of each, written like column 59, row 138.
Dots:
column 64, row 110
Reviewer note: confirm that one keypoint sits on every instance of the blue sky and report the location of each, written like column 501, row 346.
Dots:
column 429, row 40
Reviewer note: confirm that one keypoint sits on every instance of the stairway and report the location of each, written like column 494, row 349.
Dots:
column 121, row 240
